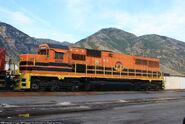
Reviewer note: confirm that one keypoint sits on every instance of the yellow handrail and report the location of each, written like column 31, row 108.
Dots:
column 86, row 69
column 104, row 70
column 75, row 68
column 112, row 71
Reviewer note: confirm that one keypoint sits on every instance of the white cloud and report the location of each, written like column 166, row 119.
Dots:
column 33, row 25
column 79, row 12
column 170, row 22
column 89, row 16
column 44, row 32
column 86, row 15
column 15, row 16
column 35, row 17
column 21, row 18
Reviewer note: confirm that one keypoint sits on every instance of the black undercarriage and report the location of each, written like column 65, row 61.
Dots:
column 92, row 84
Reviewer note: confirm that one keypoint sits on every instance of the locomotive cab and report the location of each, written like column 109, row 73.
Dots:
column 46, row 54
column 54, row 53
column 48, row 58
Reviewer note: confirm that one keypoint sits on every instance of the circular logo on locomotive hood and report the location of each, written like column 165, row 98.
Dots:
column 118, row 66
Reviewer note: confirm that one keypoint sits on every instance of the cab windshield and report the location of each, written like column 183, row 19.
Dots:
column 43, row 52
column 59, row 55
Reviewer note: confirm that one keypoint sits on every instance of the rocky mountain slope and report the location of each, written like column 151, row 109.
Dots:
column 17, row 42
column 108, row 39
column 170, row 51
column 42, row 40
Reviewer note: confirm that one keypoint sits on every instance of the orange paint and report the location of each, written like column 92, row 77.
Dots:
column 104, row 64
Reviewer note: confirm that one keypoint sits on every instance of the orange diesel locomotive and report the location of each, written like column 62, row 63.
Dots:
column 57, row 67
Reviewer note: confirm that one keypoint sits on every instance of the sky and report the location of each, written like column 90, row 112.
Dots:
column 73, row 20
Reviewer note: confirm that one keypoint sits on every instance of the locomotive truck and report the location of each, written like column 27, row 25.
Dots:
column 57, row 67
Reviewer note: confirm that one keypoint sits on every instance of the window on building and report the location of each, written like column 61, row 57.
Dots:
column 93, row 53
column 59, row 55
column 140, row 62
column 145, row 62
column 78, row 57
column 153, row 64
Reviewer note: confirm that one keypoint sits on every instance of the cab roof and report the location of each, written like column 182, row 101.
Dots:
column 58, row 46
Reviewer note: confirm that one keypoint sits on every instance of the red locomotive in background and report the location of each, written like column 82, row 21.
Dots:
column 57, row 67
column 8, row 78
column 2, row 58
column 2, row 68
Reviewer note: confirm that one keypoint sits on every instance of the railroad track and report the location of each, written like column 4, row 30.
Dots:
column 7, row 93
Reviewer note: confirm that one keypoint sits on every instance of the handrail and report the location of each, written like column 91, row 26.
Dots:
column 112, row 71
column 104, row 70
column 75, row 68
column 120, row 72
column 132, row 73
column 86, row 69
column 95, row 69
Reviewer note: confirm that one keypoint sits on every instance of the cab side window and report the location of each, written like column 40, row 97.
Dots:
column 59, row 55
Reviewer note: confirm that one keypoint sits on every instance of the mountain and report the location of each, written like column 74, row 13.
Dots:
column 170, row 51
column 43, row 40
column 16, row 42
column 108, row 39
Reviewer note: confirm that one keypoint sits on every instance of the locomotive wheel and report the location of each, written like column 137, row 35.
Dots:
column 75, row 85
column 142, row 86
column 157, row 88
column 75, row 88
column 35, row 86
column 87, row 87
column 55, row 88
